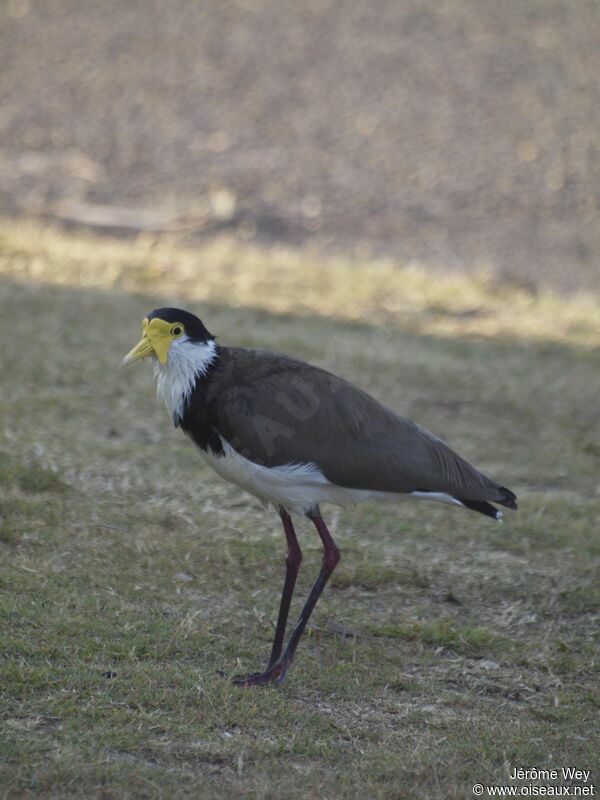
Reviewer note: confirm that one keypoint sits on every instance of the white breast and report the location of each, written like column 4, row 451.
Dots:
column 186, row 362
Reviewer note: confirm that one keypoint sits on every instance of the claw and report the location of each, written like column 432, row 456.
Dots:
column 274, row 674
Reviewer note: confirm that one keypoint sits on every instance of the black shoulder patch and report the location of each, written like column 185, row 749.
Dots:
column 199, row 415
column 215, row 443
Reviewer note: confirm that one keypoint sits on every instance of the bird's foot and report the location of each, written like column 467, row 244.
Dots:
column 273, row 674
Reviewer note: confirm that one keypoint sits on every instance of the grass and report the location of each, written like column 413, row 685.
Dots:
column 447, row 648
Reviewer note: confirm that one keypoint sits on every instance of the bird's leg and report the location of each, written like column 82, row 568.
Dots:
column 331, row 555
column 293, row 560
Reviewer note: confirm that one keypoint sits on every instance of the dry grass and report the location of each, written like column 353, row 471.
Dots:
column 130, row 574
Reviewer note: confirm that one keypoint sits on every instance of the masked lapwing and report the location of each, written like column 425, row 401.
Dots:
column 297, row 436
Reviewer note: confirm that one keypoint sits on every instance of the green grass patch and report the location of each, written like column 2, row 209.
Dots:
column 446, row 634
column 30, row 476
column 365, row 576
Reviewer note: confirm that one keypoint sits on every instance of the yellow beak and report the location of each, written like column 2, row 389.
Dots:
column 155, row 341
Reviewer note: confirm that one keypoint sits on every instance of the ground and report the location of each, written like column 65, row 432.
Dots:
column 447, row 649
column 463, row 135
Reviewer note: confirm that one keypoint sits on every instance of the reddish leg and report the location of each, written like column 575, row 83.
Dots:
column 293, row 560
column 276, row 670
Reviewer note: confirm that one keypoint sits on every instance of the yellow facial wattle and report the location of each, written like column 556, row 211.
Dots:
column 156, row 340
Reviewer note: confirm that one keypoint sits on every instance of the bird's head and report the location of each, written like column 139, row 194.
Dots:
column 164, row 328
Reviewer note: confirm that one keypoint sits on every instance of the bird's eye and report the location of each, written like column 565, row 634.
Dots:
column 176, row 330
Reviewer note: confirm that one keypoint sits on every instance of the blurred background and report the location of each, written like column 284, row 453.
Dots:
column 459, row 134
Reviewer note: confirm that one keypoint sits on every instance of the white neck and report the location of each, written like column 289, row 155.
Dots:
column 186, row 362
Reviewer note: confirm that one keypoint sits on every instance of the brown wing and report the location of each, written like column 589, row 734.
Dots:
column 275, row 410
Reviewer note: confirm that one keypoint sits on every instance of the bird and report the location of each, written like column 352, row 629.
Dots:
column 296, row 436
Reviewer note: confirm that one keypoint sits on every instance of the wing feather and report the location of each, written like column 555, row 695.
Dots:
column 275, row 410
